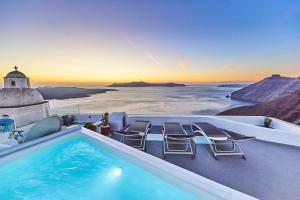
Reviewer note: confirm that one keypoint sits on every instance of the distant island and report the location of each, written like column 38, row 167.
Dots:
column 232, row 85
column 49, row 93
column 144, row 84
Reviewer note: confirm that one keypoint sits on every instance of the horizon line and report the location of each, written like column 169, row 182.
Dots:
column 120, row 82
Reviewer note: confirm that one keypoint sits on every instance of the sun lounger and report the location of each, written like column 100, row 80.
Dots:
column 221, row 143
column 135, row 134
column 177, row 141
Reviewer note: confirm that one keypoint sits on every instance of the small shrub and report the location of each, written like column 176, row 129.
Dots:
column 68, row 120
column 90, row 126
column 267, row 122
column 105, row 119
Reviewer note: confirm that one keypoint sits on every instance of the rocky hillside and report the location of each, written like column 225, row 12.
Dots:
column 268, row 89
column 285, row 108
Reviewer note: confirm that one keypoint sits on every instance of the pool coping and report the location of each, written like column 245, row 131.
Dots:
column 188, row 177
column 26, row 145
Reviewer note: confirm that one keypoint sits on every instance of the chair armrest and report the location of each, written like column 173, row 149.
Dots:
column 124, row 128
column 241, row 138
column 130, row 133
column 176, row 136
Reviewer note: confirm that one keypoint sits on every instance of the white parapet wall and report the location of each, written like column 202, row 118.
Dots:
column 281, row 132
column 85, row 118
column 27, row 114
column 117, row 120
column 259, row 121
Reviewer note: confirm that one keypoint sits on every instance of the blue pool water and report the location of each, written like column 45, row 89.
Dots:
column 77, row 168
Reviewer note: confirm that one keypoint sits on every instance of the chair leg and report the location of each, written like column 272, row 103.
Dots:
column 163, row 150
column 195, row 150
column 215, row 157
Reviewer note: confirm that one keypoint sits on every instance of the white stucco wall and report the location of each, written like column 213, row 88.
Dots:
column 16, row 97
column 19, row 83
column 27, row 114
column 259, row 120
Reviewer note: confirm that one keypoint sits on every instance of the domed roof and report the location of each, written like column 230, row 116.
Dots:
column 17, row 97
column 15, row 74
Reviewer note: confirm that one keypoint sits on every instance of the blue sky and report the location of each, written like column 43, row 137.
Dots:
column 197, row 41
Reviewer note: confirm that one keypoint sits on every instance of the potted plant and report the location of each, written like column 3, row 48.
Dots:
column 105, row 127
column 90, row 126
column 68, row 120
column 267, row 122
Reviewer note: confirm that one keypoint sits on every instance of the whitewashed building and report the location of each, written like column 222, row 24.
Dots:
column 21, row 102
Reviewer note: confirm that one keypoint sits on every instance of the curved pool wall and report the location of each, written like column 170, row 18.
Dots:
column 179, row 177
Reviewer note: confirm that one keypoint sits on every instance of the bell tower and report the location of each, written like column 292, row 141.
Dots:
column 16, row 79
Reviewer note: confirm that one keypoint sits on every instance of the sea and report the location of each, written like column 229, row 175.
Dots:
column 189, row 100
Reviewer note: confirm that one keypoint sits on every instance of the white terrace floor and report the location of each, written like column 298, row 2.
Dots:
column 271, row 170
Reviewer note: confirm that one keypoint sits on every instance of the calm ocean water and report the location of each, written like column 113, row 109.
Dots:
column 196, row 99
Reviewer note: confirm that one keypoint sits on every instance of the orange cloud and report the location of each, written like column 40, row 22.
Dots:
column 183, row 64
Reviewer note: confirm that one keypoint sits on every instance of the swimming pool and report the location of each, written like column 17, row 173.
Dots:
column 76, row 166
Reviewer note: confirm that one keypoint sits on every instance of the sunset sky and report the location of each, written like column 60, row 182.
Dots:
column 105, row 41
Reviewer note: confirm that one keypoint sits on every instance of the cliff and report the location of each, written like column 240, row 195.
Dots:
column 268, row 89
column 285, row 108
